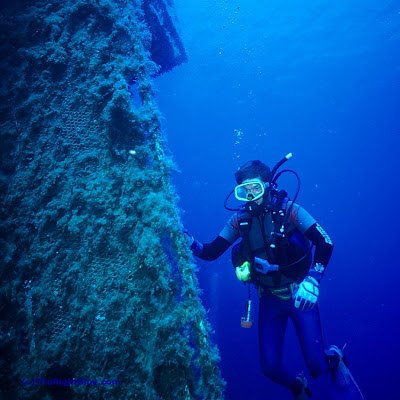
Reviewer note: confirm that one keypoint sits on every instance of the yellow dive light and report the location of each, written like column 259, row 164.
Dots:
column 243, row 272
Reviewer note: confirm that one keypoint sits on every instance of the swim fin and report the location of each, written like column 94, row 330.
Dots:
column 340, row 373
column 300, row 389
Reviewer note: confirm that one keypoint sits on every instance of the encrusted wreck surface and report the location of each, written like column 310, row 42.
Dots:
column 96, row 279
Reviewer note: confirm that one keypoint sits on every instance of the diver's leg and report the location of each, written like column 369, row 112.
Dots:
column 308, row 329
column 273, row 315
column 272, row 323
column 335, row 374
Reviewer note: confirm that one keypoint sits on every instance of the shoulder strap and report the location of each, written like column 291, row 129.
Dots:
column 242, row 251
column 244, row 220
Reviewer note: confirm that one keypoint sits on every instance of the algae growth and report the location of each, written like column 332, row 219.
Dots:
column 97, row 281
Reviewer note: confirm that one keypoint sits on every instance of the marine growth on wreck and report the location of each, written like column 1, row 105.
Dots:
column 97, row 282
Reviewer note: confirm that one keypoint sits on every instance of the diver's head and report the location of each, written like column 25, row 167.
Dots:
column 255, row 184
column 253, row 178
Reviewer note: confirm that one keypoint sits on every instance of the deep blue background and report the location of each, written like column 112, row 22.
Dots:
column 320, row 79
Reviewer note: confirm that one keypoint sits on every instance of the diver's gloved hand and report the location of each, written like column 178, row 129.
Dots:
column 194, row 244
column 188, row 237
column 243, row 272
column 306, row 295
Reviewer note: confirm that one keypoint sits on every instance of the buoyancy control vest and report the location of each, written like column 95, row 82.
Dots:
column 267, row 237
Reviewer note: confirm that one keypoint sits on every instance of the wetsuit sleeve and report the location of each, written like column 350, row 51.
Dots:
column 306, row 224
column 231, row 229
column 323, row 249
column 228, row 235
column 300, row 218
column 213, row 250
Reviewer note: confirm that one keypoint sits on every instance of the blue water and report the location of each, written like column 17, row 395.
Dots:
column 320, row 79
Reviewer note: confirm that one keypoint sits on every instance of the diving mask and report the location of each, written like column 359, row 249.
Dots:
column 250, row 190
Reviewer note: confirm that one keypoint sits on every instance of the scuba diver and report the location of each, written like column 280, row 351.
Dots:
column 284, row 253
